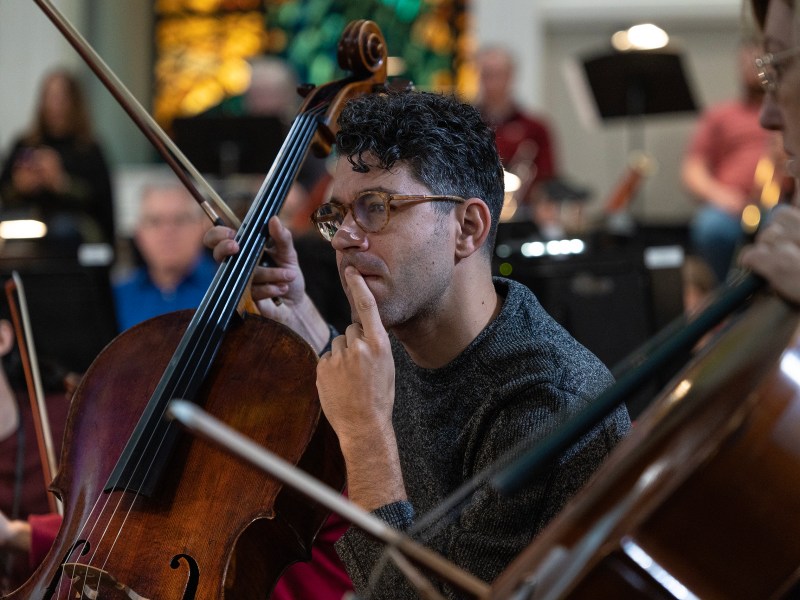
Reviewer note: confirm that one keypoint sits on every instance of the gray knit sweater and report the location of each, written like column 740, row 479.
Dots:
column 516, row 381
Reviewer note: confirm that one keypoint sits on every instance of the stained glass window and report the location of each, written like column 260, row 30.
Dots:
column 427, row 35
column 202, row 46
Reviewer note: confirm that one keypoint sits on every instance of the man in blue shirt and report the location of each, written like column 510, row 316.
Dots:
column 177, row 269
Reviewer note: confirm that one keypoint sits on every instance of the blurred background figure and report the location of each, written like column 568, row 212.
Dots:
column 273, row 93
column 57, row 172
column 272, row 90
column 524, row 141
column 27, row 528
column 720, row 167
column 174, row 270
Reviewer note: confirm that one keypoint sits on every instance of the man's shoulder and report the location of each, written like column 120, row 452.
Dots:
column 127, row 281
column 130, row 280
column 536, row 338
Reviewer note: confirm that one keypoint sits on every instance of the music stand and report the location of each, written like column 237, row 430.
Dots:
column 227, row 146
column 71, row 308
column 637, row 83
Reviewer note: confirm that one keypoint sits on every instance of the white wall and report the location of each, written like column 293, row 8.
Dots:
column 29, row 46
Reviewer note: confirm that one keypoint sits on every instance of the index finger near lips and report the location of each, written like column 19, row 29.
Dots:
column 364, row 303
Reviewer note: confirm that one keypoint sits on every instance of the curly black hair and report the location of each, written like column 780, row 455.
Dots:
column 443, row 141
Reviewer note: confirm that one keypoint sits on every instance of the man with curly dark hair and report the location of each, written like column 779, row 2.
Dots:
column 444, row 368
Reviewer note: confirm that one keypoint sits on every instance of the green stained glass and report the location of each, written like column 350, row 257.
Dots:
column 202, row 45
column 322, row 68
column 441, row 24
column 408, row 10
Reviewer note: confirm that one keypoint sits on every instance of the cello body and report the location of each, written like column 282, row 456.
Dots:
column 701, row 500
column 216, row 528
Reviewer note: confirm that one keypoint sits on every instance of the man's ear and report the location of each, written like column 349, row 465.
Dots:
column 475, row 223
column 6, row 337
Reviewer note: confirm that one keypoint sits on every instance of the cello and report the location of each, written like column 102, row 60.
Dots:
column 149, row 513
column 699, row 500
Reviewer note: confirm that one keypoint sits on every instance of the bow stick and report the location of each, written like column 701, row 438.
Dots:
column 154, row 133
column 173, row 156
column 41, row 422
column 199, row 422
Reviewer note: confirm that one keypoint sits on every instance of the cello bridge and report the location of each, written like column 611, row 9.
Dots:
column 88, row 582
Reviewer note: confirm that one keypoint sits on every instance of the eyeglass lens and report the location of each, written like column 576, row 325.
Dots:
column 766, row 73
column 328, row 218
column 370, row 213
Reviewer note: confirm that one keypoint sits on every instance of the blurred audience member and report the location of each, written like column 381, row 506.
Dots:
column 719, row 167
column 57, row 169
column 272, row 90
column 177, row 269
column 524, row 141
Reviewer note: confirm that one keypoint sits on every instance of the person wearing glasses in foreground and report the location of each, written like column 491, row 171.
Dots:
column 776, row 252
column 444, row 368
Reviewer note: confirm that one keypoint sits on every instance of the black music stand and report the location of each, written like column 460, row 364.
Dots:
column 635, row 84
column 227, row 146
column 638, row 83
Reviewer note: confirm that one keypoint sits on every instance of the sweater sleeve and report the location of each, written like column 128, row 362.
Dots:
column 360, row 553
column 492, row 530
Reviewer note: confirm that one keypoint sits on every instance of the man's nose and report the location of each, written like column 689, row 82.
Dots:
column 770, row 115
column 349, row 234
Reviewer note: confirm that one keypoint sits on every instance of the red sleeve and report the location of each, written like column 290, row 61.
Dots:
column 703, row 139
column 44, row 529
column 545, row 159
column 324, row 576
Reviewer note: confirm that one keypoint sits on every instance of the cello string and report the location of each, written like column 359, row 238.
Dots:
column 251, row 246
column 376, row 70
column 306, row 124
column 283, row 179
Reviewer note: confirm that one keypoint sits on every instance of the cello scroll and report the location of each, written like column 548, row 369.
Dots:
column 362, row 51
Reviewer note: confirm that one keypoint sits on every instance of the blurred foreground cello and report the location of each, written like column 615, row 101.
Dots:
column 701, row 500
column 151, row 513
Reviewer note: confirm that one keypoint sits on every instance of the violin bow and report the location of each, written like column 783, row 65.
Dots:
column 20, row 316
column 176, row 160
column 400, row 546
column 173, row 156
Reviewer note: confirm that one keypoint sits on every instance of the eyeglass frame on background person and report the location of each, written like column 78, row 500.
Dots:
column 332, row 214
column 771, row 79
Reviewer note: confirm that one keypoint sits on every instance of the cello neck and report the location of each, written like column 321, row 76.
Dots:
column 142, row 462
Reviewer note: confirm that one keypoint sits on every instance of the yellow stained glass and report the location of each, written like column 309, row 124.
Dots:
column 202, row 46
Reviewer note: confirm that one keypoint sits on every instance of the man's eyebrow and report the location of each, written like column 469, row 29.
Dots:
column 377, row 188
